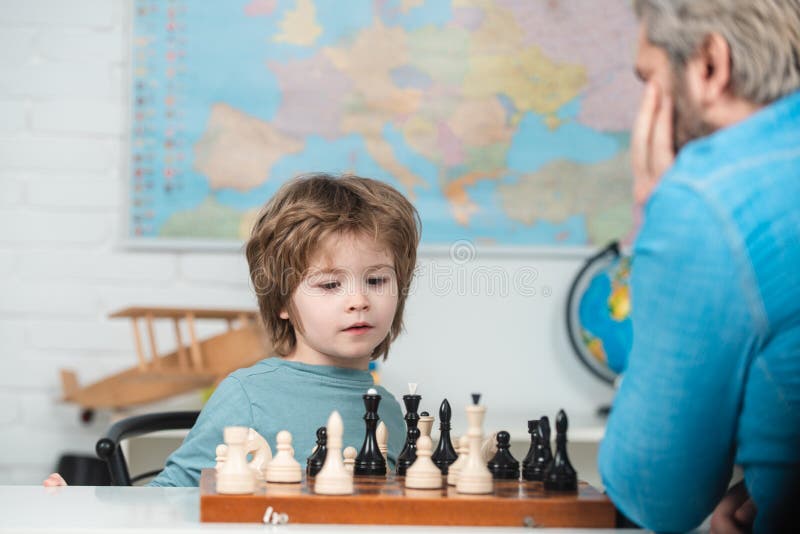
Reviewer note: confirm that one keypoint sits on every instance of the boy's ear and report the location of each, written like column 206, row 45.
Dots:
column 283, row 314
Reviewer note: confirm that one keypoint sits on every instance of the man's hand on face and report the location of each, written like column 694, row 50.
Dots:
column 652, row 150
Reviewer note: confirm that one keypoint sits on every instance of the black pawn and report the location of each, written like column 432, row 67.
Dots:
column 544, row 455
column 409, row 452
column 445, row 454
column 370, row 461
column 503, row 465
column 317, row 458
column 527, row 463
column 561, row 476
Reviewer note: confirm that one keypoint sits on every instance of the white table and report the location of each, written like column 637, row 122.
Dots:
column 35, row 509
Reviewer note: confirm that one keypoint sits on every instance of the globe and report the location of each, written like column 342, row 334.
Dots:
column 598, row 313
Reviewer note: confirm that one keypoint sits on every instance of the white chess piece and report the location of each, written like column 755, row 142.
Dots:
column 425, row 424
column 382, row 437
column 221, row 451
column 333, row 478
column 350, row 454
column 455, row 468
column 255, row 445
column 235, row 476
column 489, row 447
column 475, row 477
column 423, row 473
column 283, row 467
column 261, row 451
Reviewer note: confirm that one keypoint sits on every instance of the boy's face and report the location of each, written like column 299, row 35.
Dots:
column 346, row 303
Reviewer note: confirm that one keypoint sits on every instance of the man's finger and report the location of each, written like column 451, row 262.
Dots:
column 746, row 513
column 663, row 149
column 641, row 135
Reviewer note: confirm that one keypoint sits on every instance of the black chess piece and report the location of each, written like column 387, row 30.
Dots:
column 409, row 452
column 503, row 465
column 445, row 454
column 317, row 458
column 560, row 475
column 530, row 458
column 544, row 455
column 370, row 461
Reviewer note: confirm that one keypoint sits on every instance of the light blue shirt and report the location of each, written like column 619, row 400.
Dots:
column 275, row 395
column 713, row 377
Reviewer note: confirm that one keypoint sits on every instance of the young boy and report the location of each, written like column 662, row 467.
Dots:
column 331, row 261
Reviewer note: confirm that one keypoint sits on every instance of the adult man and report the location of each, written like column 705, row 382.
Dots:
column 714, row 374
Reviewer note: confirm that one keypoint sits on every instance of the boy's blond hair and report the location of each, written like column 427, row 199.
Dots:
column 306, row 210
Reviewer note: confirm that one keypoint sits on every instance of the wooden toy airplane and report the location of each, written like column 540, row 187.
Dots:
column 193, row 365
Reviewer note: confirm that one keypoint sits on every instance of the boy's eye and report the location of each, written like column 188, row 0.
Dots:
column 329, row 285
column 377, row 281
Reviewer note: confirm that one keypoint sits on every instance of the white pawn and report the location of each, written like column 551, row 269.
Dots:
column 455, row 468
column 235, row 476
column 283, row 467
column 350, row 454
column 333, row 478
column 423, row 473
column 425, row 424
column 382, row 437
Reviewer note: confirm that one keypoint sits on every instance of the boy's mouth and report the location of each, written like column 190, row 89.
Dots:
column 358, row 328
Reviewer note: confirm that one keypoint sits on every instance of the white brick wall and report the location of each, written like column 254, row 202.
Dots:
column 63, row 76
column 63, row 70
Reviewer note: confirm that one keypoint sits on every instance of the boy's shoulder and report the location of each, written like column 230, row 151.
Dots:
column 257, row 373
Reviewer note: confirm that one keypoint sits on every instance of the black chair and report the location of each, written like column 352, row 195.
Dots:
column 109, row 450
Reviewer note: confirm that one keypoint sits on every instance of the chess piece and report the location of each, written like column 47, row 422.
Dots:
column 455, row 468
column 259, row 449
column 425, row 424
column 221, row 451
column 382, row 437
column 475, row 477
column 333, row 478
column 489, row 447
column 256, row 446
column 409, row 452
column 544, row 454
column 445, row 454
column 369, row 461
column 560, row 475
column 283, row 467
column 317, row 458
column 503, row 465
column 235, row 476
column 350, row 454
column 527, row 463
column 423, row 473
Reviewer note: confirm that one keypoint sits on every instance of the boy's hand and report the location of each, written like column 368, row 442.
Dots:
column 54, row 480
column 652, row 150
column 735, row 513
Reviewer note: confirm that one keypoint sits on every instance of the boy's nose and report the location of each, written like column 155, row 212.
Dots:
column 358, row 302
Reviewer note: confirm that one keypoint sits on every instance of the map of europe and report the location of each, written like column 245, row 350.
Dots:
column 506, row 122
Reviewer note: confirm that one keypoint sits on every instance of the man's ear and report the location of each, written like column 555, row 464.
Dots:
column 709, row 71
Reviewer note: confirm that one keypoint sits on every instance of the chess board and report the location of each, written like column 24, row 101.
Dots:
column 385, row 501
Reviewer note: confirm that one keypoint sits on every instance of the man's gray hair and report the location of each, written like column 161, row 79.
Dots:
column 763, row 36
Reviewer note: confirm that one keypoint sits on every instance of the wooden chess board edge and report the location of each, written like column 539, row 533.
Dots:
column 588, row 508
